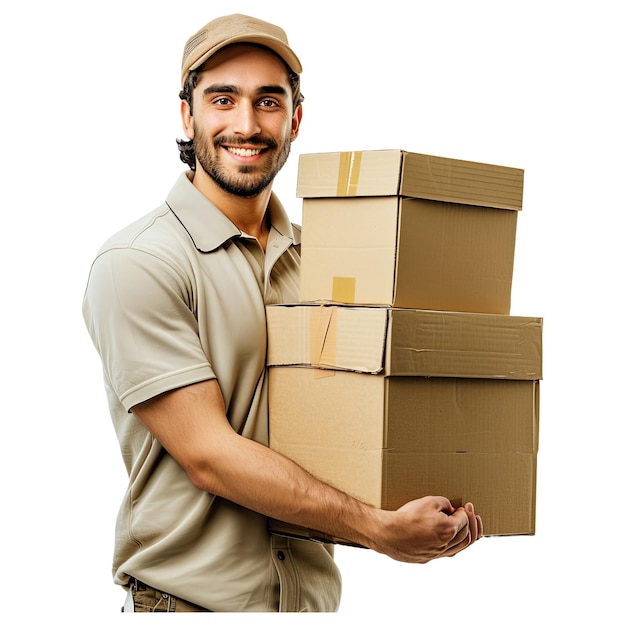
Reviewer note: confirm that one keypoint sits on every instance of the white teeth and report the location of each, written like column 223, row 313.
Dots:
column 246, row 152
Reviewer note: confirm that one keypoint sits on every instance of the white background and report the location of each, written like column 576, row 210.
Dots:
column 89, row 118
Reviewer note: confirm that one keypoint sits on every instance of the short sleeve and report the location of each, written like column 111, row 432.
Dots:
column 138, row 310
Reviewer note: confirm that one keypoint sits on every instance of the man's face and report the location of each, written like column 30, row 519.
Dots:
column 243, row 119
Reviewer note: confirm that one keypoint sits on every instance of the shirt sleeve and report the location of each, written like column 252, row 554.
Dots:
column 140, row 315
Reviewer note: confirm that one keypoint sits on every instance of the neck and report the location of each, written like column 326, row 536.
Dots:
column 248, row 214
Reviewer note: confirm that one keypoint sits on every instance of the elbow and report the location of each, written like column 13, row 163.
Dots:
column 204, row 476
column 201, row 477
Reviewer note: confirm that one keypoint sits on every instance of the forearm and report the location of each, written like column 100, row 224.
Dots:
column 221, row 462
column 263, row 480
column 191, row 424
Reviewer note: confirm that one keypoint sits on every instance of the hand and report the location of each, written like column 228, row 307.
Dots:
column 428, row 528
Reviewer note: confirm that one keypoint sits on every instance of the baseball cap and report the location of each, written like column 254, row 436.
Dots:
column 236, row 28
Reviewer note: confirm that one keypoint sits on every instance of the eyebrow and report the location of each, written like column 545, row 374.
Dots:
column 263, row 90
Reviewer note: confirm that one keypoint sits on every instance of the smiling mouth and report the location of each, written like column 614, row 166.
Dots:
column 244, row 152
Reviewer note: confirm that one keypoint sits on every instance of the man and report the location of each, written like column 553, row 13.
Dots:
column 175, row 305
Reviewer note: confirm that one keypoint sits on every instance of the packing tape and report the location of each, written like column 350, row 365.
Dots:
column 319, row 373
column 344, row 289
column 348, row 175
column 323, row 339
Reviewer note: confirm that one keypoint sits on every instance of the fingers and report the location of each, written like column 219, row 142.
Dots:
column 462, row 532
column 470, row 529
column 431, row 528
column 472, row 522
column 444, row 505
column 475, row 522
column 480, row 526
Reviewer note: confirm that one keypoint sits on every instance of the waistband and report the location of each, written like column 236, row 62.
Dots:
column 173, row 603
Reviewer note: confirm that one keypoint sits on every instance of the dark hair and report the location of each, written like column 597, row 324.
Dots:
column 186, row 148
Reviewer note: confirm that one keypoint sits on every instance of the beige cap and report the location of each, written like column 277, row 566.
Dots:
column 236, row 28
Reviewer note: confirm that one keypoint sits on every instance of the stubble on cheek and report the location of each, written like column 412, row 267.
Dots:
column 245, row 180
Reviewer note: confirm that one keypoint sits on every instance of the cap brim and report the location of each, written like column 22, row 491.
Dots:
column 275, row 45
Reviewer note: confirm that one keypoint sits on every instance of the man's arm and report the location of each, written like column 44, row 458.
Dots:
column 192, row 426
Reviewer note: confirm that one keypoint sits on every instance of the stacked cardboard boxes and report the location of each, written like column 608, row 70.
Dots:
column 401, row 373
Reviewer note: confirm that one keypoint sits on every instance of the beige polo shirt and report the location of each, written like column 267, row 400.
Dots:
column 176, row 298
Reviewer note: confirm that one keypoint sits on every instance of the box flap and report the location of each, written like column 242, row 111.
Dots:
column 343, row 174
column 464, row 345
column 465, row 182
column 327, row 337
column 405, row 342
column 397, row 172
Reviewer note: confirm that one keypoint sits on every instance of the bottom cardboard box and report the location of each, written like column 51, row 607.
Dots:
column 475, row 441
column 384, row 438
column 501, row 486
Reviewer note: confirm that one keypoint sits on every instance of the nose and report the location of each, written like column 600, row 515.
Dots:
column 246, row 122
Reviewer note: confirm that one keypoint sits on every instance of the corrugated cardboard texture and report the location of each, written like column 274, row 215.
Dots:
column 461, row 420
column 407, row 253
column 405, row 342
column 467, row 439
column 327, row 337
column 397, row 172
column 472, row 345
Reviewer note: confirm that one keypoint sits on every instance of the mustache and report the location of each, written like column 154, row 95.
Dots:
column 256, row 140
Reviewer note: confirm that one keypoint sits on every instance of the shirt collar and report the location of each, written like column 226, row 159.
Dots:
column 207, row 226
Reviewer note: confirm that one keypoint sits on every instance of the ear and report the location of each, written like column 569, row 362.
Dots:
column 295, row 122
column 187, row 118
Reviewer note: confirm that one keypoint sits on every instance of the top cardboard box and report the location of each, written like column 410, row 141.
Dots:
column 401, row 173
column 401, row 229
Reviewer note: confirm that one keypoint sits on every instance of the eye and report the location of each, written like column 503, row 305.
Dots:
column 268, row 103
column 222, row 101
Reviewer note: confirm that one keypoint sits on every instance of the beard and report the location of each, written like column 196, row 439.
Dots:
column 247, row 181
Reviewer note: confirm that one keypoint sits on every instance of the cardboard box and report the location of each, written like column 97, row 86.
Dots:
column 401, row 229
column 408, row 174
column 392, row 404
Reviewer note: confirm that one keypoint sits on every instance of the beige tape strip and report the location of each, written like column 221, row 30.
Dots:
column 344, row 289
column 349, row 172
column 323, row 339
column 319, row 373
